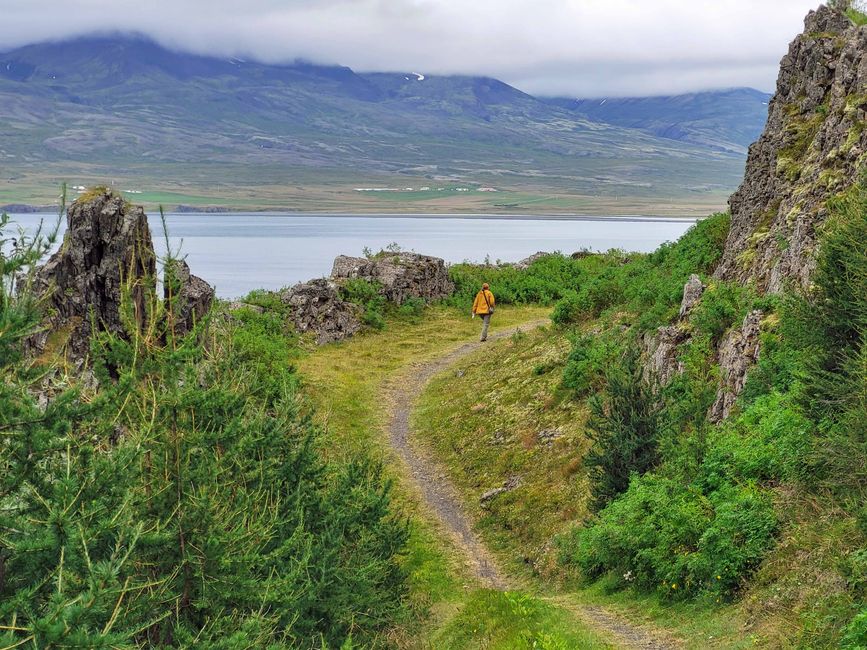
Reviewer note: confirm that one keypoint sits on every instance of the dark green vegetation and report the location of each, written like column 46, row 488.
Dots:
column 210, row 131
column 704, row 519
column 182, row 499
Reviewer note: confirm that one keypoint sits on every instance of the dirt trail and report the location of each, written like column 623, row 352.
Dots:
column 441, row 496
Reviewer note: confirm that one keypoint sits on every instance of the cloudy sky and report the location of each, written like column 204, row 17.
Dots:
column 562, row 47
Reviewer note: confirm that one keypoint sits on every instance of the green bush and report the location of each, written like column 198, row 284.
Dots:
column 624, row 428
column 545, row 281
column 368, row 296
column 412, row 308
column 666, row 536
column 855, row 634
column 584, row 371
column 769, row 441
column 722, row 305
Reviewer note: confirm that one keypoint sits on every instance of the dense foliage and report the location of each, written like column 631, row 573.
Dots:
column 179, row 498
column 704, row 519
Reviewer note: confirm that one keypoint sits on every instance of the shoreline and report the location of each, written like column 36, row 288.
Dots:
column 626, row 218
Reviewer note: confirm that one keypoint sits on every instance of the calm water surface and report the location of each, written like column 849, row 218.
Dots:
column 240, row 252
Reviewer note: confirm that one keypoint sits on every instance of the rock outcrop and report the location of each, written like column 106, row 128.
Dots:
column 528, row 261
column 191, row 296
column 107, row 247
column 661, row 349
column 738, row 352
column 813, row 144
column 401, row 275
column 692, row 292
column 316, row 306
column 107, row 257
column 511, row 483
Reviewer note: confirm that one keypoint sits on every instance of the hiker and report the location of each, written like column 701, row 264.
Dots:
column 483, row 305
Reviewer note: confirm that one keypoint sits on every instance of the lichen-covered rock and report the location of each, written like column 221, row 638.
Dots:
column 401, row 275
column 812, row 146
column 738, row 352
column 692, row 292
column 107, row 247
column 527, row 261
column 189, row 295
column 316, row 306
column 661, row 351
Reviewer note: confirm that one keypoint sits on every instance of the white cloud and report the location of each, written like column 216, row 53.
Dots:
column 576, row 47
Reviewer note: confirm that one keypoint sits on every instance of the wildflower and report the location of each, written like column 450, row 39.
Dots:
column 719, row 577
column 674, row 585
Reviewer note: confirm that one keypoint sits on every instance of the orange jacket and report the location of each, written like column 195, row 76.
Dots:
column 480, row 307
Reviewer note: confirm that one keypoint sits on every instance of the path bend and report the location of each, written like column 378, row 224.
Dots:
column 443, row 499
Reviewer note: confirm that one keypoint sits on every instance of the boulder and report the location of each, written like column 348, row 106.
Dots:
column 738, row 352
column 192, row 296
column 316, row 306
column 401, row 275
column 527, row 261
column 508, row 485
column 107, row 247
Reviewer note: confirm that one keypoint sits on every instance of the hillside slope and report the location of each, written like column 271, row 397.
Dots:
column 726, row 120
column 126, row 108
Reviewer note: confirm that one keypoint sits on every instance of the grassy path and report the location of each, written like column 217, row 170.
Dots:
column 364, row 390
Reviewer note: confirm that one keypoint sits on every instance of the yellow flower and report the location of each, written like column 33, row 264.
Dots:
column 719, row 578
column 674, row 585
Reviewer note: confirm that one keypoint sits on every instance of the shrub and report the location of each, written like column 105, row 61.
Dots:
column 768, row 441
column 855, row 634
column 666, row 536
column 624, row 428
column 412, row 308
column 584, row 372
column 722, row 305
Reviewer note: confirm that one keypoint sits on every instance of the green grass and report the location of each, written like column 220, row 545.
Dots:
column 484, row 421
column 508, row 620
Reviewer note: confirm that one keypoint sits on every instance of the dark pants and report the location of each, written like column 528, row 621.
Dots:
column 486, row 320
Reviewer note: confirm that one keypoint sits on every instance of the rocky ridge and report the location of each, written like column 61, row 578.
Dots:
column 318, row 307
column 812, row 148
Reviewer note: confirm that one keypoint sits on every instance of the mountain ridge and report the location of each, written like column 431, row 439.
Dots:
column 127, row 107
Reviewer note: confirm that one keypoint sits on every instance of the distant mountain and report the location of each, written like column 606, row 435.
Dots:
column 726, row 120
column 124, row 107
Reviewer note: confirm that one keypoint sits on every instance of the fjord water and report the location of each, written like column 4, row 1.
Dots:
column 240, row 252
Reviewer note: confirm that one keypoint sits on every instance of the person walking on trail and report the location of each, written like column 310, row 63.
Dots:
column 483, row 306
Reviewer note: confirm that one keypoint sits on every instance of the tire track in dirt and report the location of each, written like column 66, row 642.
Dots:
column 441, row 496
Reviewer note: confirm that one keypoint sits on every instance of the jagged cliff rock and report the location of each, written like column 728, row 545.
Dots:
column 402, row 275
column 188, row 295
column 738, row 352
column 107, row 245
column 661, row 349
column 107, row 250
column 812, row 147
column 316, row 306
